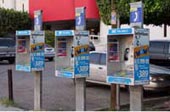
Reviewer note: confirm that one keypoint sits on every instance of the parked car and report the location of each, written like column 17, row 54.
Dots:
column 159, row 76
column 160, row 51
column 7, row 49
column 49, row 52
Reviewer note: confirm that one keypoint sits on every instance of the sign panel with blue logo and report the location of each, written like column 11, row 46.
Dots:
column 29, row 50
column 113, row 18
column 136, row 14
column 38, row 20
column 141, row 56
column 72, row 53
column 81, row 54
column 37, row 51
column 128, row 56
column 80, row 18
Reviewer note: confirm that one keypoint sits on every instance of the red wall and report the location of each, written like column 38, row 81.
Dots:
column 55, row 10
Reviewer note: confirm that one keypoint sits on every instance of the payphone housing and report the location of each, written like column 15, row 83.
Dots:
column 72, row 53
column 29, row 50
column 128, row 56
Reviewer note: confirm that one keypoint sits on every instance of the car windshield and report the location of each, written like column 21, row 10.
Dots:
column 154, row 69
column 7, row 42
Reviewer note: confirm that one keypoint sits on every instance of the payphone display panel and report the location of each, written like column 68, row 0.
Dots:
column 64, row 59
column 23, row 50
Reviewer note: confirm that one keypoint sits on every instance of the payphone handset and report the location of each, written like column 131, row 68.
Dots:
column 72, row 53
column 128, row 56
column 29, row 50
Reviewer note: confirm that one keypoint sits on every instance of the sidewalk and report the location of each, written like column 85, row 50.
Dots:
column 155, row 104
column 9, row 108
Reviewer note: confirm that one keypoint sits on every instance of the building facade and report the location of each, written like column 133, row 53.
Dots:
column 19, row 5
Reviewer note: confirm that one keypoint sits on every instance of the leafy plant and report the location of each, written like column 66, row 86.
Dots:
column 11, row 20
column 49, row 37
column 155, row 11
column 7, row 102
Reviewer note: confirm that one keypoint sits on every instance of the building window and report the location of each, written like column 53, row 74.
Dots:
column 23, row 7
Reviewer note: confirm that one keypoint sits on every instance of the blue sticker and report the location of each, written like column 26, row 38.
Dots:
column 65, row 74
column 119, row 80
column 81, row 65
column 23, row 33
column 142, row 71
column 23, row 68
column 59, row 33
column 37, row 61
column 120, row 31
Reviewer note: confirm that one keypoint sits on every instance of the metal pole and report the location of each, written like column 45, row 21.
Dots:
column 80, row 86
column 136, row 92
column 136, row 98
column 38, row 74
column 118, row 86
column 114, row 98
column 80, row 94
column 37, row 90
column 10, row 84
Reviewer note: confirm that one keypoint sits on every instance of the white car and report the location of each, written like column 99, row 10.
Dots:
column 49, row 52
column 159, row 76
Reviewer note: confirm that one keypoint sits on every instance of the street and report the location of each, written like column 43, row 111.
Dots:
column 58, row 93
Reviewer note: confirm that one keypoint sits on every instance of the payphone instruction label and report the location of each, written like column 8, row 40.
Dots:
column 37, row 51
column 81, row 54
column 81, row 61
column 141, row 56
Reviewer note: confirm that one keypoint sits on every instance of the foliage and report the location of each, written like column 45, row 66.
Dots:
column 11, row 20
column 49, row 38
column 155, row 11
column 7, row 102
column 104, row 10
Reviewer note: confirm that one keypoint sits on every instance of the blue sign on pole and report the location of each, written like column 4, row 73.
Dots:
column 136, row 14
column 38, row 20
column 80, row 18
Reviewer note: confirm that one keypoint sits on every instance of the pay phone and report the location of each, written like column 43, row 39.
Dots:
column 72, row 53
column 29, row 50
column 128, row 56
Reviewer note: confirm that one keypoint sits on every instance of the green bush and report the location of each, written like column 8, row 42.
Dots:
column 11, row 20
column 49, row 37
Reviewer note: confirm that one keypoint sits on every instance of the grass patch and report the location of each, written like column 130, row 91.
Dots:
column 7, row 102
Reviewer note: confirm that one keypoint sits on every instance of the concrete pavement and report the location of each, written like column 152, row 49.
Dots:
column 9, row 108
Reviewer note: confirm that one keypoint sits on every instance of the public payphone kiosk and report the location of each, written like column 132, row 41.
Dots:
column 29, row 50
column 72, row 53
column 128, row 56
